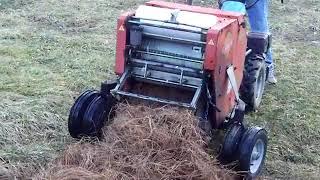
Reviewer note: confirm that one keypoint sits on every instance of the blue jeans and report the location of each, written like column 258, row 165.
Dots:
column 258, row 17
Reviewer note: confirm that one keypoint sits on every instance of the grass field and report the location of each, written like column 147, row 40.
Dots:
column 51, row 50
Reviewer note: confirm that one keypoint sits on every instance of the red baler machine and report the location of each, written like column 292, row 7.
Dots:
column 189, row 56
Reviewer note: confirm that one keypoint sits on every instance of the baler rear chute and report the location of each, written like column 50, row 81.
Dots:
column 191, row 57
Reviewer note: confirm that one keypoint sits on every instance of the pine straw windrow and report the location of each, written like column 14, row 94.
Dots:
column 142, row 142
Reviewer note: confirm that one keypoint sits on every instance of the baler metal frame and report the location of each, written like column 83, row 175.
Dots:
column 117, row 91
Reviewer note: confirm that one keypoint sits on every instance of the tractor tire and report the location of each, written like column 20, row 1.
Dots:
column 96, row 115
column 231, row 143
column 254, row 80
column 78, row 110
column 252, row 152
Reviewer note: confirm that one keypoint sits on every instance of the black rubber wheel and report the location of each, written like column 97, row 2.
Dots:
column 252, row 152
column 231, row 143
column 254, row 80
column 78, row 110
column 96, row 115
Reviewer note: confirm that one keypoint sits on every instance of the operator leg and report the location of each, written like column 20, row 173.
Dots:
column 258, row 19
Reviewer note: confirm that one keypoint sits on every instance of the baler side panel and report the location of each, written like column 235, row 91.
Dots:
column 226, row 52
column 240, row 53
column 121, row 43
column 213, row 35
column 211, row 49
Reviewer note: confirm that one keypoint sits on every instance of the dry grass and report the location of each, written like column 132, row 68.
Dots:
column 141, row 143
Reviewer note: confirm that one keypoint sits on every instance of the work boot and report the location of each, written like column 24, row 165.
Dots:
column 271, row 75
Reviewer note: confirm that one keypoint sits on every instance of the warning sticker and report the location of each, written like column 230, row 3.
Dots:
column 121, row 28
column 211, row 42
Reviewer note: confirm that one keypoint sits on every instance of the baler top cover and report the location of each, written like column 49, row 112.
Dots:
column 184, row 19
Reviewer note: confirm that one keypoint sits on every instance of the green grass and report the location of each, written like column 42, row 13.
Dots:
column 51, row 50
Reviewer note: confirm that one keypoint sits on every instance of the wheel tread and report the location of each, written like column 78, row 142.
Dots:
column 253, row 64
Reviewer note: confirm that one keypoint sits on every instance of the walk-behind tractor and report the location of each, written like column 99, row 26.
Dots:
column 189, row 56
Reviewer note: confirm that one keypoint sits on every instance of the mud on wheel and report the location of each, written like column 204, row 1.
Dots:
column 254, row 79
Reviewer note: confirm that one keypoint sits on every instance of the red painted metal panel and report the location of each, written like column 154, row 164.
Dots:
column 240, row 52
column 220, row 76
column 121, row 43
column 228, row 53
column 222, row 51
column 211, row 48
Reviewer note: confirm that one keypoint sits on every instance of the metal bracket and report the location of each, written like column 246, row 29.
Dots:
column 248, row 52
column 145, row 70
column 174, row 16
column 238, row 112
column 233, row 81
column 181, row 77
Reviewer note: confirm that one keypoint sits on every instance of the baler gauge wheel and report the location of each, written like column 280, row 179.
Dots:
column 231, row 143
column 75, row 120
column 252, row 151
column 96, row 115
